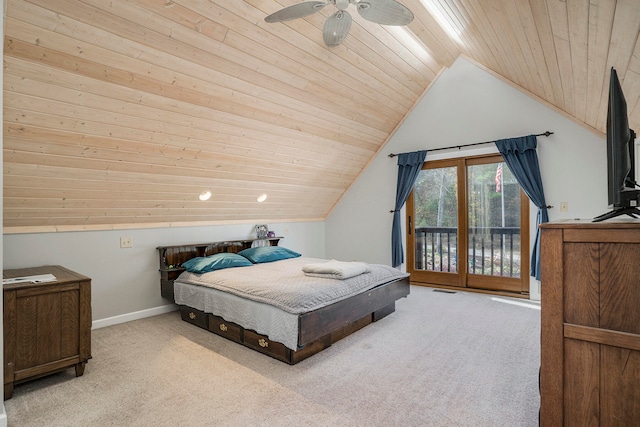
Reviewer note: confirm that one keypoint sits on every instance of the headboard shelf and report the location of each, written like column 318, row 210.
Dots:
column 172, row 257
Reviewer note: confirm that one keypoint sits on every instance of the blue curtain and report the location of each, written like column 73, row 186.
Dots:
column 522, row 159
column 409, row 166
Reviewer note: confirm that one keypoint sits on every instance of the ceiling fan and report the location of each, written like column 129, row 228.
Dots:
column 336, row 28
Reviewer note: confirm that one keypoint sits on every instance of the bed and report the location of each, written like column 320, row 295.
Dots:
column 273, row 307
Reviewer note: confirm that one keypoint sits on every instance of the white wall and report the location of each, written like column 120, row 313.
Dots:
column 126, row 281
column 467, row 105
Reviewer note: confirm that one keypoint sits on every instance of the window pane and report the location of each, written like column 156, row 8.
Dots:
column 494, row 221
column 436, row 220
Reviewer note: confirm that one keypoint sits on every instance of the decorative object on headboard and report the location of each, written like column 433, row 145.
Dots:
column 262, row 231
column 172, row 257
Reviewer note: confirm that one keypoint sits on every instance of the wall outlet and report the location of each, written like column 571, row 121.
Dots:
column 126, row 242
column 564, row 206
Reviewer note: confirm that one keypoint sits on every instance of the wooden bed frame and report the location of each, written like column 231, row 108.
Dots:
column 317, row 329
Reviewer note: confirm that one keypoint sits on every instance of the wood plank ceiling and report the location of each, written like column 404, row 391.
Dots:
column 120, row 113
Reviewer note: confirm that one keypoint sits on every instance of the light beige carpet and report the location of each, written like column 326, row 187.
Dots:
column 441, row 359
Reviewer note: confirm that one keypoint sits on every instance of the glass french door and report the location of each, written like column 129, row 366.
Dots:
column 468, row 226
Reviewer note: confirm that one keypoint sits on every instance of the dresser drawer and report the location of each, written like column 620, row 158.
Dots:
column 264, row 345
column 193, row 316
column 221, row 327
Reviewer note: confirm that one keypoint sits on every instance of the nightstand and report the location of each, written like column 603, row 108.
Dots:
column 47, row 326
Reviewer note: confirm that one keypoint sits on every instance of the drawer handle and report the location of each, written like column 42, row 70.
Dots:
column 263, row 343
column 223, row 327
column 192, row 315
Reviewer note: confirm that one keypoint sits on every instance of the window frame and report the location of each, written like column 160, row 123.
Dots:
column 462, row 279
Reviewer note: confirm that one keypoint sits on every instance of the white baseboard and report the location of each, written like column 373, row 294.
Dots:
column 534, row 289
column 136, row 315
column 3, row 417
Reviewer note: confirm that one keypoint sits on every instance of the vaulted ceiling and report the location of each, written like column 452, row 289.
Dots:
column 120, row 113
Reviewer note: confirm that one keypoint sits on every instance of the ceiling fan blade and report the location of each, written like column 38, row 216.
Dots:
column 299, row 10
column 336, row 28
column 385, row 12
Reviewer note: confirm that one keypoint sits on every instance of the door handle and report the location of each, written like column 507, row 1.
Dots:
column 410, row 225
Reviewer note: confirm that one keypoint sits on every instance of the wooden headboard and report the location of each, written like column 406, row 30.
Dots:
column 172, row 257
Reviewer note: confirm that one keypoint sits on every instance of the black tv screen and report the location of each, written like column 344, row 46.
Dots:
column 623, row 194
column 618, row 142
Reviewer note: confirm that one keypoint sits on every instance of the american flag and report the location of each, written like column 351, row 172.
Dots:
column 498, row 177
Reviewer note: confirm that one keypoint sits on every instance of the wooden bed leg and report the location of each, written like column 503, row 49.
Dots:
column 383, row 312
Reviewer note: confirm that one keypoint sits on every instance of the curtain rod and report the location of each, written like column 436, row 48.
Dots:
column 547, row 133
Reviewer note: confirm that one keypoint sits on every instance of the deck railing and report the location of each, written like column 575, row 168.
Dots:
column 493, row 251
column 436, row 248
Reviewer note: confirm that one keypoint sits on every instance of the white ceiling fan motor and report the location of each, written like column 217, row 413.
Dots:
column 342, row 4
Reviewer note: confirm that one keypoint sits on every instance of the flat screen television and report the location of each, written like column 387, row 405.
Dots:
column 623, row 192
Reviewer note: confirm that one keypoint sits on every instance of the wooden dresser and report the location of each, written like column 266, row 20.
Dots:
column 47, row 326
column 590, row 325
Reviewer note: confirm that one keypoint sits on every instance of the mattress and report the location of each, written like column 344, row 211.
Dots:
column 269, row 297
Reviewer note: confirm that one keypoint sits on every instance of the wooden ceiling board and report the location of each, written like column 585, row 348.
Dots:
column 601, row 15
column 118, row 114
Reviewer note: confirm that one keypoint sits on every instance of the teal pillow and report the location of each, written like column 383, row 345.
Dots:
column 262, row 254
column 215, row 262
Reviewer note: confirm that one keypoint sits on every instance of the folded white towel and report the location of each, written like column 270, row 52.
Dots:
column 335, row 269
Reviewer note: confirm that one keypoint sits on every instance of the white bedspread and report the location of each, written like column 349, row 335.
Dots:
column 284, row 285
column 263, row 318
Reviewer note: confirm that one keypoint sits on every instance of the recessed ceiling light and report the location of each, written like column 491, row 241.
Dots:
column 205, row 195
column 262, row 197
